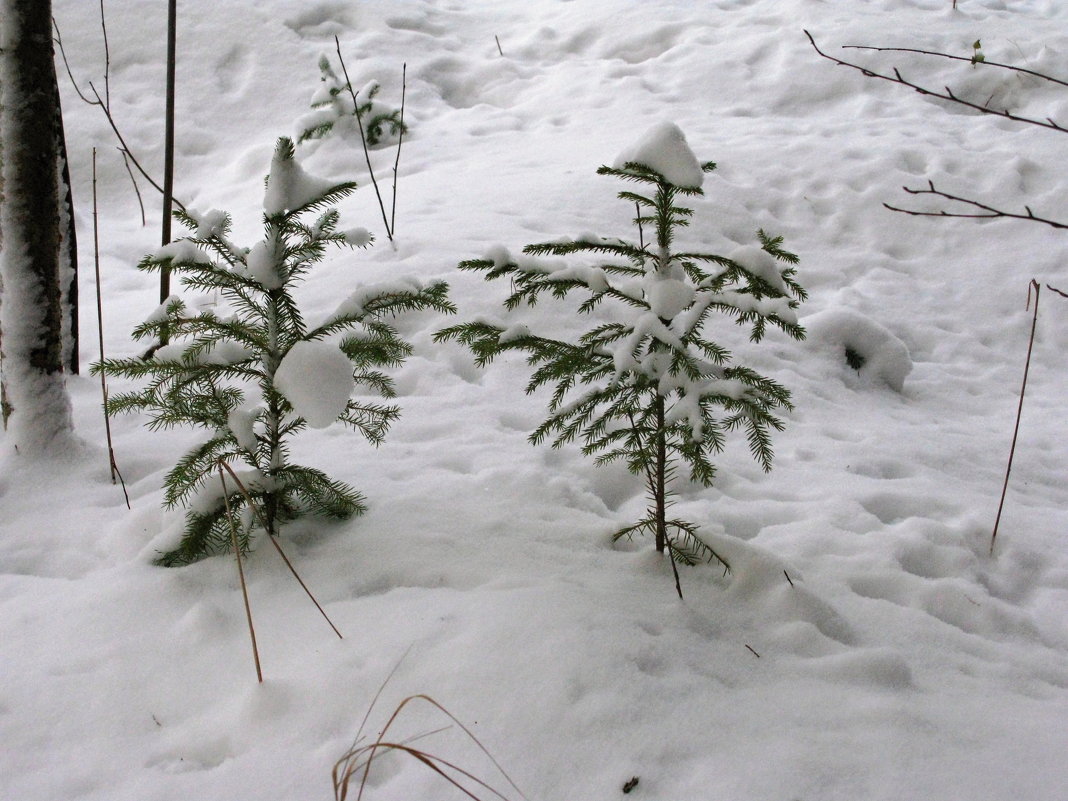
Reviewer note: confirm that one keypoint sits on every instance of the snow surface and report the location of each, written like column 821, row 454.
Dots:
column 865, row 646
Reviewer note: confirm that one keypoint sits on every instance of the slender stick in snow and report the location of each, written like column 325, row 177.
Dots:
column 1019, row 409
column 363, row 140
column 241, row 572
column 400, row 140
column 277, row 547
column 100, row 333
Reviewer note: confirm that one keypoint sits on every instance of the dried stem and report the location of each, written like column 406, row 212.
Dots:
column 277, row 547
column 400, row 139
column 100, row 333
column 363, row 140
column 240, row 572
column 1019, row 409
column 137, row 189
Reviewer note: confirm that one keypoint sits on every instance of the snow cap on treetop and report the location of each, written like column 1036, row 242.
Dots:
column 664, row 149
column 288, row 186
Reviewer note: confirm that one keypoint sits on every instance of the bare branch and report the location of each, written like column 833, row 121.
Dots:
column 103, row 104
column 125, row 147
column 985, row 212
column 969, row 59
column 1054, row 289
column 945, row 94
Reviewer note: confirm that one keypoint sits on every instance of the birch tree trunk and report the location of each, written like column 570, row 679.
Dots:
column 31, row 310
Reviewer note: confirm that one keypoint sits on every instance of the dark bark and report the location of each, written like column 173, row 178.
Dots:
column 660, row 478
column 33, row 309
column 33, row 157
column 69, row 252
column 168, row 149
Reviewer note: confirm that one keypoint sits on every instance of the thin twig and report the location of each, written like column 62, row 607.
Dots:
column 1054, row 289
column 240, row 572
column 946, row 94
column 277, row 547
column 1019, row 409
column 788, row 578
column 100, row 102
column 990, row 212
column 126, row 148
column 363, row 139
column 498, row 41
column 100, row 332
column 969, row 59
column 107, row 56
column 137, row 189
column 754, row 653
column 675, row 572
column 400, row 139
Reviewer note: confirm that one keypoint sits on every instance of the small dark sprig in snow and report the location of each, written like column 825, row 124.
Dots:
column 664, row 149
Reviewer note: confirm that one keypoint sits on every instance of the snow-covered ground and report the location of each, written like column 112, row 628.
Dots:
column 866, row 646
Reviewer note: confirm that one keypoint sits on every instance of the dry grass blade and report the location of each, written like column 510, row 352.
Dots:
column 357, row 761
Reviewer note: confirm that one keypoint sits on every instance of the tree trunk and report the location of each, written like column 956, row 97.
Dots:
column 31, row 316
column 68, row 257
column 660, row 477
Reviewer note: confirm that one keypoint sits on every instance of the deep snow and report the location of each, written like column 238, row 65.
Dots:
column 865, row 646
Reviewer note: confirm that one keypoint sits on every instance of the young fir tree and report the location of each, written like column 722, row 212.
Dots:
column 335, row 111
column 258, row 374
column 653, row 389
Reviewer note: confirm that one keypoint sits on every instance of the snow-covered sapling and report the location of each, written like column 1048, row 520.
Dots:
column 335, row 112
column 649, row 386
column 256, row 374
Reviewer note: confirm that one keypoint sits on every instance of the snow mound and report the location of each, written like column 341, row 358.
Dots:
column 289, row 187
column 316, row 377
column 863, row 344
column 664, row 149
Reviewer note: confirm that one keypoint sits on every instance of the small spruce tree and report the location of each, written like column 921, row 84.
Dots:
column 652, row 389
column 258, row 374
column 334, row 110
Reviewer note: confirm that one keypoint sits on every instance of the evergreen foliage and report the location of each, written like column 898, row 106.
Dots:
column 334, row 110
column 219, row 372
column 650, row 387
